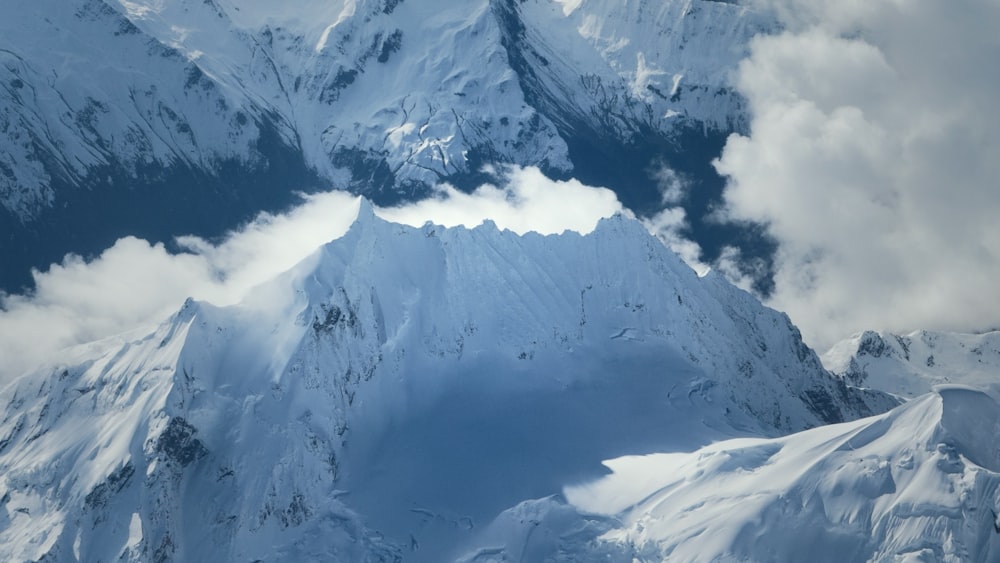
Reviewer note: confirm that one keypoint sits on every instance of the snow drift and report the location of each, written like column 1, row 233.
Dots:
column 916, row 484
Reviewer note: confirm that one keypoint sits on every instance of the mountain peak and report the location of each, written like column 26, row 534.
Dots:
column 509, row 359
column 911, row 364
column 384, row 98
column 366, row 211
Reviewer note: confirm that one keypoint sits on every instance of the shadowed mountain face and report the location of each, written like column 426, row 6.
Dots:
column 168, row 118
column 389, row 397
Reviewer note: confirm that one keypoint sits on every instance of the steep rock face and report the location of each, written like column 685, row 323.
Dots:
column 84, row 90
column 113, row 111
column 911, row 365
column 415, row 382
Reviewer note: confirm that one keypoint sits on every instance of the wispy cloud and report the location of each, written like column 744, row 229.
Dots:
column 135, row 284
column 526, row 201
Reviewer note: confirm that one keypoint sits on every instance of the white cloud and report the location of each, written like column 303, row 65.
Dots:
column 669, row 226
column 673, row 187
column 133, row 285
column 528, row 201
column 873, row 159
column 734, row 267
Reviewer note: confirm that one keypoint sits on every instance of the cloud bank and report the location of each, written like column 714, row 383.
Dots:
column 134, row 285
column 526, row 201
column 874, row 158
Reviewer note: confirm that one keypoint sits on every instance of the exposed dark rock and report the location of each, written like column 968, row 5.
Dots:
column 391, row 45
column 99, row 495
column 177, row 443
column 871, row 345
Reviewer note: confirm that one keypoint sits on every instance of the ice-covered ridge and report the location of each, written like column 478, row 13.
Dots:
column 677, row 67
column 418, row 380
column 382, row 92
column 910, row 365
column 917, row 484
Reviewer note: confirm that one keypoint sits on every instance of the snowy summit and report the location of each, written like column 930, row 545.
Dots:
column 393, row 395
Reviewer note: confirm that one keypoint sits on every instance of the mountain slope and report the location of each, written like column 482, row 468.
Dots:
column 912, row 364
column 391, row 395
column 112, row 111
column 917, row 484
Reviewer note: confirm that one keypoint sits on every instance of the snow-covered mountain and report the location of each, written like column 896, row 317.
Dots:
column 917, row 484
column 158, row 118
column 913, row 364
column 439, row 394
column 405, row 393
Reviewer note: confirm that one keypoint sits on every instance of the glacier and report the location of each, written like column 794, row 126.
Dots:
column 418, row 394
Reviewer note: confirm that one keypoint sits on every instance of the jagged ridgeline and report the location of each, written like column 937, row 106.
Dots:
column 189, row 116
column 396, row 396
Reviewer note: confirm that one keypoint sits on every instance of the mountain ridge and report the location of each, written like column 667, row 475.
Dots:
column 475, row 343
column 910, row 365
column 128, row 108
column 915, row 484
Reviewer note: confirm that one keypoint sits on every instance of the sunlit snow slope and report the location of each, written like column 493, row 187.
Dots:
column 917, row 484
column 394, row 396
column 913, row 364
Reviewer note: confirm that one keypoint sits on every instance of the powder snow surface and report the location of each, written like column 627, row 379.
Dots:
column 916, row 484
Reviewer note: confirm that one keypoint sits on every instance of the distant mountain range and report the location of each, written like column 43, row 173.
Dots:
column 158, row 119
